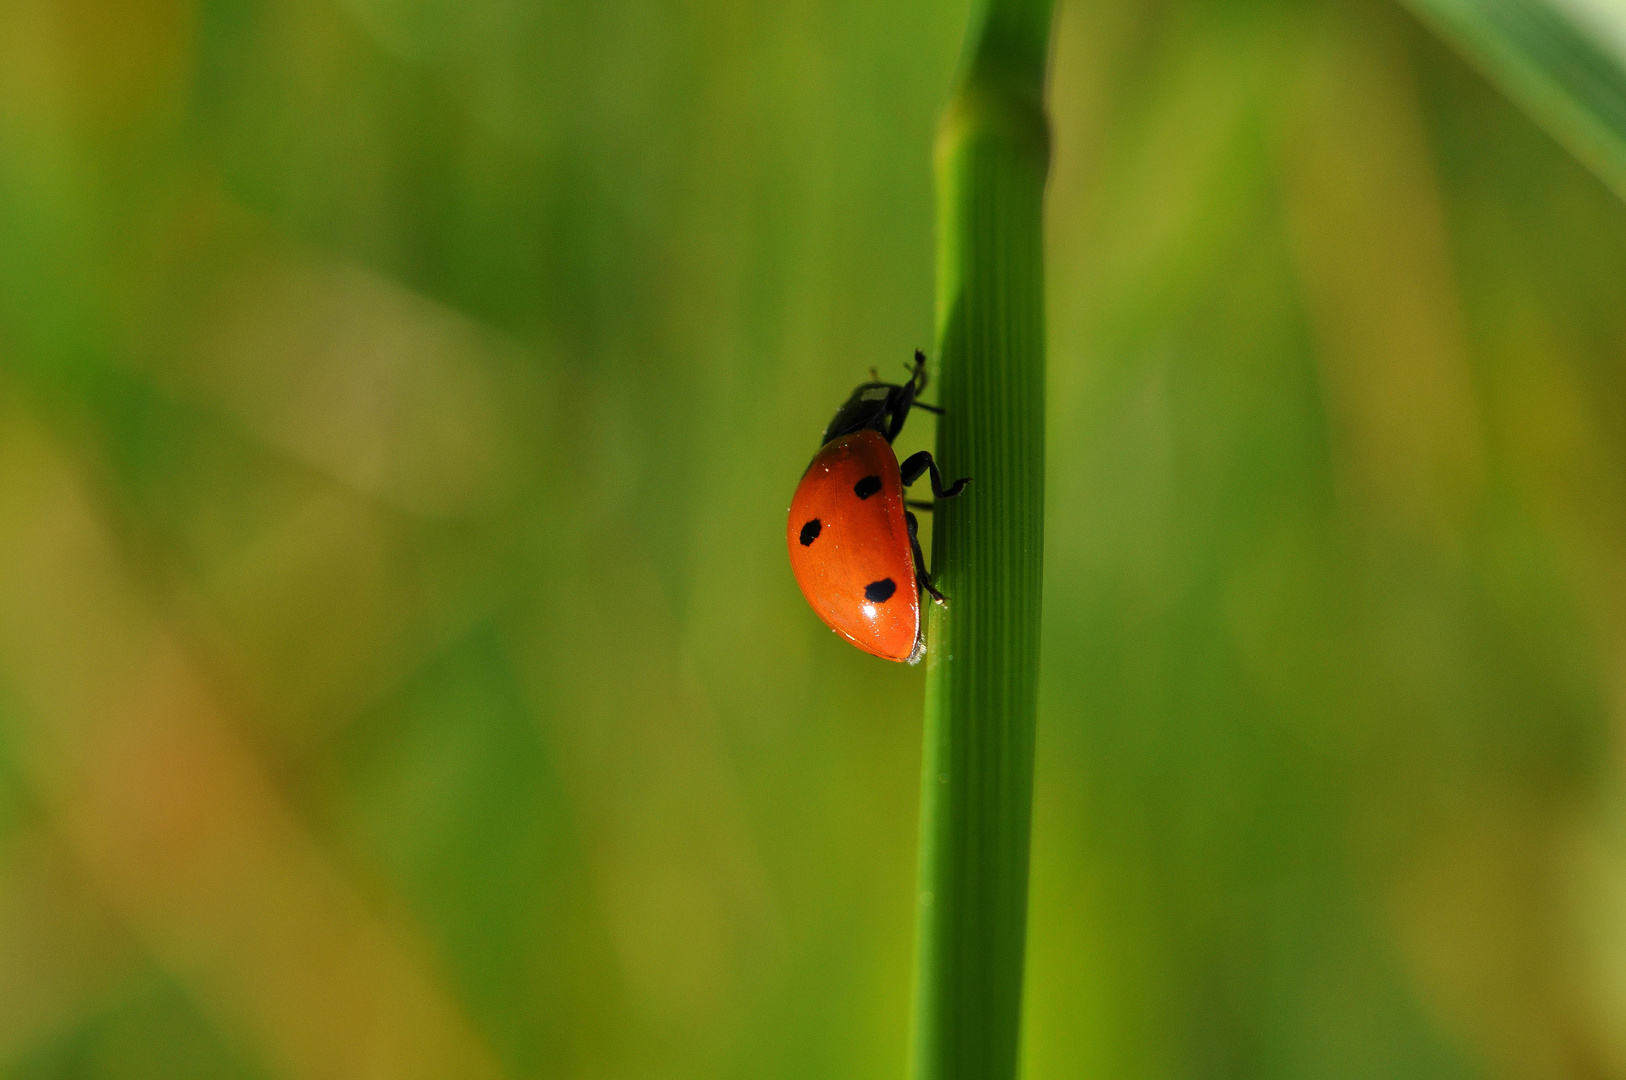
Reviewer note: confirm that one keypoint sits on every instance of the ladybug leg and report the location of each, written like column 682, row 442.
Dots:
column 917, row 380
column 923, row 580
column 902, row 399
column 921, row 463
column 898, row 404
column 919, row 372
column 900, row 413
column 919, row 504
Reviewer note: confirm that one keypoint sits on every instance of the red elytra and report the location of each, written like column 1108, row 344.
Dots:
column 849, row 545
column 852, row 539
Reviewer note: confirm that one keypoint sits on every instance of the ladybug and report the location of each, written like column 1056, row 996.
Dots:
column 852, row 539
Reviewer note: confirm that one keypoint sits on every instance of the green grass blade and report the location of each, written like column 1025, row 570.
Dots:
column 1565, row 63
column 983, row 667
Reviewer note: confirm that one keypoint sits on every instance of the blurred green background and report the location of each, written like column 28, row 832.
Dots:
column 401, row 675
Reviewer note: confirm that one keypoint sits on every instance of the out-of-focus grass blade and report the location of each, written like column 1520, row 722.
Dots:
column 1564, row 62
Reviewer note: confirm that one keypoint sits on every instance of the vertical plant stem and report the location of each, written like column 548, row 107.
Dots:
column 983, row 664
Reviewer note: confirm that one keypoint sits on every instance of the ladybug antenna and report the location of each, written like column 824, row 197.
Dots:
column 919, row 372
column 874, row 376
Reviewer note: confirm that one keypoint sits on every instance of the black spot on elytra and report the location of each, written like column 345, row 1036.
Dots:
column 866, row 487
column 879, row 592
column 810, row 532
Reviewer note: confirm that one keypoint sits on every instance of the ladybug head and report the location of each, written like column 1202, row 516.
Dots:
column 879, row 406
